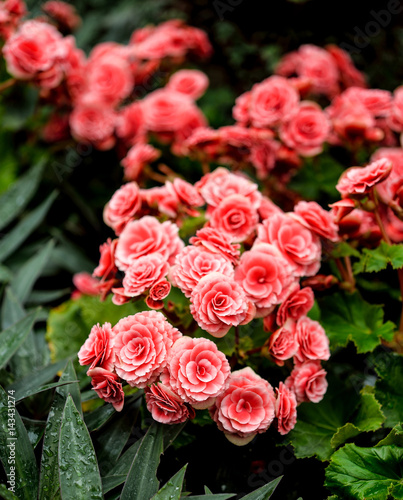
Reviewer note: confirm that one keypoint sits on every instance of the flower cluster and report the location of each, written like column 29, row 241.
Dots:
column 245, row 262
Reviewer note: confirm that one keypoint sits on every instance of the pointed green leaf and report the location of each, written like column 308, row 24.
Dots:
column 35, row 429
column 6, row 494
column 25, row 360
column 16, row 198
column 30, row 272
column 78, row 468
column 99, row 417
column 49, row 471
column 141, row 481
column 265, row 492
column 364, row 473
column 217, row 496
column 173, row 487
column 14, row 336
column 24, row 228
column 348, row 317
column 14, row 437
column 5, row 274
column 43, row 388
column 389, row 390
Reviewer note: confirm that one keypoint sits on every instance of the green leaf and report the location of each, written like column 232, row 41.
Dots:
column 14, row 336
column 5, row 274
column 344, row 249
column 49, row 472
column 217, row 496
column 38, row 378
column 348, row 317
column 35, row 429
column 376, row 259
column 30, row 272
column 364, row 473
column 15, row 436
column 173, row 487
column 113, row 437
column 24, row 228
column 70, row 323
column 317, row 423
column 25, row 359
column 389, row 389
column 47, row 387
column 99, row 417
column 265, row 492
column 16, row 198
column 141, row 481
column 395, row 436
column 79, row 474
column 369, row 417
column 6, row 494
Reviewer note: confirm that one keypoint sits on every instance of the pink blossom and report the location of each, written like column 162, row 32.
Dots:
column 299, row 245
column 245, row 408
column 319, row 67
column 311, row 215
column 130, row 123
column 272, row 101
column 306, row 129
column 95, row 124
column 158, row 292
column 218, row 303
column 196, row 370
column 106, row 384
column 137, row 158
column 187, row 193
column 190, row 82
column 86, row 284
column 286, row 409
column 235, row 216
column 97, row 350
column 312, row 340
column 141, row 345
column 389, row 188
column 63, row 13
column 106, row 266
column 283, row 344
column 124, row 204
column 360, row 180
column 348, row 73
column 395, row 120
column 216, row 242
column 193, row 263
column 265, row 275
column 165, row 406
column 144, row 236
column 308, row 382
column 143, row 273
column 297, row 303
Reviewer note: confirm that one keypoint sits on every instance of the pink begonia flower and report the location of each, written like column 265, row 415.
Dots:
column 190, row 82
column 312, row 340
column 272, row 101
column 245, row 408
column 144, row 236
column 308, row 382
column 283, row 343
column 106, row 267
column 165, row 406
column 300, row 246
column 286, row 409
column 389, row 188
column 359, row 181
column 63, row 13
column 122, row 207
column 97, row 350
column 235, row 216
column 94, row 124
column 193, row 263
column 395, row 119
column 218, row 303
column 143, row 273
column 86, row 284
column 141, row 345
column 137, row 158
column 196, row 370
column 306, row 130
column 216, row 242
column 297, row 303
column 108, row 387
column 311, row 215
column 265, row 275
column 158, row 292
column 220, row 184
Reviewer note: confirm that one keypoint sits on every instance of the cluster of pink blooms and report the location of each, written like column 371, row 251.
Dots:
column 99, row 99
column 278, row 121
column 245, row 262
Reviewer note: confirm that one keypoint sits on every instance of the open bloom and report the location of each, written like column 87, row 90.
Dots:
column 141, row 345
column 360, row 180
column 286, row 409
column 165, row 406
column 196, row 370
column 308, row 382
column 108, row 387
column 123, row 205
column 245, row 408
column 218, row 303
column 97, row 350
